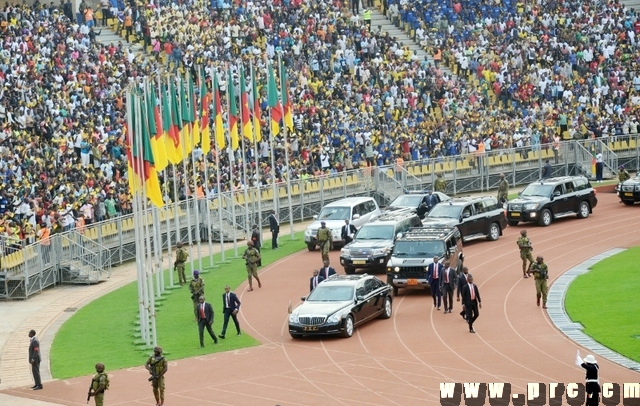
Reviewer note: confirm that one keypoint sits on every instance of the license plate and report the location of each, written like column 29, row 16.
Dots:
column 310, row 328
column 412, row 282
column 513, row 214
column 359, row 262
column 629, row 194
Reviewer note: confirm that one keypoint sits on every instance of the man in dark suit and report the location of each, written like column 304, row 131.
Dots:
column 434, row 273
column 256, row 237
column 326, row 271
column 447, row 286
column 472, row 302
column 274, row 227
column 230, row 308
column 348, row 231
column 315, row 280
column 205, row 320
column 462, row 280
column 34, row 359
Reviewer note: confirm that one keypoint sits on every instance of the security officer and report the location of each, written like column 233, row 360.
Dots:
column 252, row 258
column 324, row 240
column 440, row 185
column 157, row 366
column 196, row 287
column 623, row 174
column 181, row 258
column 99, row 384
column 367, row 18
column 503, row 189
column 541, row 274
column 524, row 244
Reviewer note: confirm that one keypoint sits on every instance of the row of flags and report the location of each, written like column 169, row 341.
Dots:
column 166, row 121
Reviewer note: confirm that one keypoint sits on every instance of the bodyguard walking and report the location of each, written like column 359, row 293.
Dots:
column 434, row 272
column 524, row 244
column 205, row 320
column 472, row 302
column 274, row 227
column 252, row 257
column 540, row 273
column 256, row 238
column 230, row 309
column 157, row 366
column 324, row 240
column 447, row 286
column 34, row 360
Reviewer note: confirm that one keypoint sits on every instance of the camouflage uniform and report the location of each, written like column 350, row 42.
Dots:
column 541, row 274
column 196, row 287
column 157, row 364
column 440, row 185
column 525, row 252
column 623, row 175
column 324, row 241
column 252, row 258
column 181, row 257
column 99, row 379
column 503, row 190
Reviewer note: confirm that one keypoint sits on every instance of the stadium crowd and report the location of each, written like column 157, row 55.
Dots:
column 523, row 74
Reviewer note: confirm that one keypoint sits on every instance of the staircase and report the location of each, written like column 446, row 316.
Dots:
column 108, row 35
column 83, row 262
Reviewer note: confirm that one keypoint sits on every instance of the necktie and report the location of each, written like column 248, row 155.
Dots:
column 202, row 315
column 315, row 281
column 435, row 271
column 446, row 277
column 227, row 300
column 473, row 291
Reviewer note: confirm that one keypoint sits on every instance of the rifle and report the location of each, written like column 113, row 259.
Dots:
column 152, row 371
column 89, row 393
column 196, row 295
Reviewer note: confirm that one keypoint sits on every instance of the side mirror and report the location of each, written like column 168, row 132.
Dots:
column 466, row 215
column 399, row 235
column 520, row 193
column 303, row 298
column 315, row 217
column 356, row 216
column 359, row 298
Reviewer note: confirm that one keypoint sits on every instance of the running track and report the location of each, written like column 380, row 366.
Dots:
column 400, row 361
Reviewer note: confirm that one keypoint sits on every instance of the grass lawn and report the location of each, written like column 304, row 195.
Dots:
column 106, row 329
column 605, row 301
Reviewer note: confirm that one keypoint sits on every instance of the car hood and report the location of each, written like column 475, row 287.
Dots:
column 439, row 220
column 408, row 261
column 529, row 199
column 369, row 244
column 320, row 308
column 331, row 224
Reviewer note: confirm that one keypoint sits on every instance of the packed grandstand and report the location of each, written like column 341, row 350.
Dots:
column 500, row 74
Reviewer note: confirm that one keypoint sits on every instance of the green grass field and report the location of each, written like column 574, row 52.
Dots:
column 106, row 329
column 605, row 301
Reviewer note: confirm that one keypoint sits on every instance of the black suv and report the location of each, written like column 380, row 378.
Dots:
column 414, row 252
column 548, row 199
column 629, row 190
column 475, row 217
column 417, row 201
column 374, row 241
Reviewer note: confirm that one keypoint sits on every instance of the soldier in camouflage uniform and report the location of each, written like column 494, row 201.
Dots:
column 524, row 243
column 541, row 274
column 623, row 174
column 440, row 185
column 99, row 384
column 503, row 189
column 252, row 258
column 196, row 287
column 181, row 258
column 324, row 240
column 157, row 366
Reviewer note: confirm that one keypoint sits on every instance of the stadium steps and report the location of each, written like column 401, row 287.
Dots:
column 379, row 19
column 110, row 36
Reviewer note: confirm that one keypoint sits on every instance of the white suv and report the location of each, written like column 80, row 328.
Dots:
column 358, row 210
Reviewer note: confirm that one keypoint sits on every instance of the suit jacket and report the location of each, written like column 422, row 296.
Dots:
column 434, row 267
column 326, row 273
column 208, row 312
column 320, row 279
column 255, row 237
column 466, row 295
column 462, row 280
column 34, row 350
column 452, row 279
column 234, row 302
column 274, row 226
column 348, row 229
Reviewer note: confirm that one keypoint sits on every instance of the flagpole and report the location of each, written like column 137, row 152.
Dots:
column 276, row 197
column 284, row 88
column 166, row 197
column 187, row 189
column 247, row 227
column 144, row 333
column 196, row 201
column 205, row 108
column 257, row 153
column 216, row 96
column 232, row 160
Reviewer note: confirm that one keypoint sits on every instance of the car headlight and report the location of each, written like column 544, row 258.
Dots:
column 531, row 206
column 293, row 317
column 334, row 318
column 636, row 188
column 380, row 251
column 396, row 269
column 345, row 252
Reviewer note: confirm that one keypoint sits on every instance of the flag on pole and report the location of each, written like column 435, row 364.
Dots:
column 176, row 119
column 205, row 101
column 274, row 103
column 593, row 163
column 171, row 132
column 257, row 113
column 247, row 129
column 155, row 129
column 233, row 112
column 195, row 125
column 217, row 114
column 286, row 101
column 186, row 118
column 132, row 175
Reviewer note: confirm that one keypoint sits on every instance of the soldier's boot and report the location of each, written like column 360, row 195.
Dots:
column 538, row 300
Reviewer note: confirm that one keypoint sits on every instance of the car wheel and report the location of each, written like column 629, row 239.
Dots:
column 349, row 271
column 387, row 309
column 583, row 211
column 348, row 327
column 628, row 203
column 295, row 336
column 494, row 232
column 513, row 223
column 311, row 247
column 545, row 218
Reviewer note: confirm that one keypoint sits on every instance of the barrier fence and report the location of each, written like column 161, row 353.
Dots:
column 86, row 255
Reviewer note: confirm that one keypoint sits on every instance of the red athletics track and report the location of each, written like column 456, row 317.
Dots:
column 400, row 361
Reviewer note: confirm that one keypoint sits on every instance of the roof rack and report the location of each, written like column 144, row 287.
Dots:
column 433, row 231
column 395, row 214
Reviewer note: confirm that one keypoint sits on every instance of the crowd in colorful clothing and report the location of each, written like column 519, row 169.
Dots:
column 523, row 74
